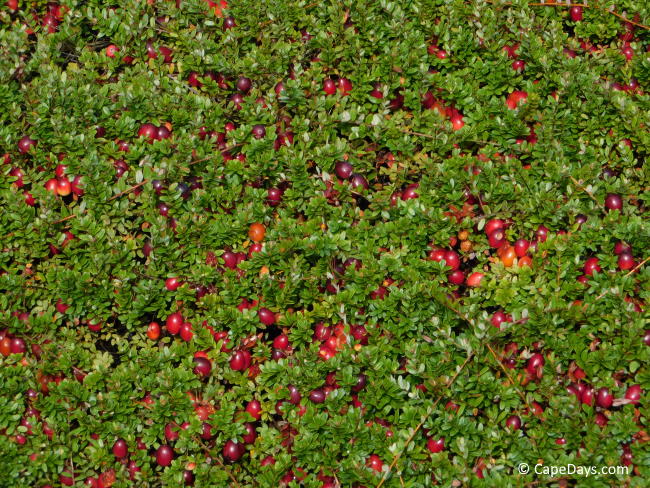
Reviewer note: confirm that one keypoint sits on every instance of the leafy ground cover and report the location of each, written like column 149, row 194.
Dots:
column 354, row 243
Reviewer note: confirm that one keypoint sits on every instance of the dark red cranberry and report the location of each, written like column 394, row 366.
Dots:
column 120, row 449
column 274, row 197
column 240, row 360
column 329, row 86
column 625, row 261
column 233, row 451
column 243, row 84
column 229, row 23
column 613, row 202
column 513, row 422
column 294, row 395
column 266, row 316
column 237, row 99
column 202, row 366
column 604, row 398
column 436, row 445
column 164, row 455
column 259, row 131
column 317, row 396
column 591, row 266
column 25, row 143
column 343, row 170
column 362, row 380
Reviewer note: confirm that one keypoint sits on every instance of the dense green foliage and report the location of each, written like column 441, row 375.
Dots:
column 86, row 255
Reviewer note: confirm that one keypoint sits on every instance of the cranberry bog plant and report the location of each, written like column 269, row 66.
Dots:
column 325, row 244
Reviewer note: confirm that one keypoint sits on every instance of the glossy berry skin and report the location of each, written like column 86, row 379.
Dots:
column 240, row 361
column 329, row 87
column 604, row 398
column 25, row 143
column 174, row 323
column 274, row 197
column 244, row 84
column 591, row 266
column 436, row 445
column 202, row 367
column 613, row 201
column 317, row 396
column 633, row 393
column 521, row 247
column 358, row 182
column 513, row 422
column 625, row 261
column 120, row 449
column 233, row 451
column 254, row 408
column 172, row 284
column 575, row 13
column 266, row 316
column 164, row 455
column 259, row 131
column 621, row 247
column 343, row 170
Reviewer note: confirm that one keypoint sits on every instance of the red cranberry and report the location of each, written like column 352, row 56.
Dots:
column 25, row 143
column 233, row 451
column 625, row 261
column 266, row 316
column 243, row 84
column 358, row 182
column 202, row 366
column 613, row 202
column 604, row 398
column 317, row 396
column 591, row 266
column 120, row 449
column 329, row 86
column 436, row 445
column 633, row 393
column 259, row 131
column 513, row 422
column 164, row 455
column 343, row 170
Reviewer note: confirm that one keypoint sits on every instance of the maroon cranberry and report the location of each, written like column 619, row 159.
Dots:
column 587, row 396
column 259, row 131
column 317, row 396
column 281, row 342
column 206, row 431
column 633, row 393
column 576, row 14
column 625, row 261
column 513, row 422
column 600, row 419
column 496, row 238
column 163, row 132
column 362, row 380
column 25, row 143
column 240, row 360
column 541, row 234
column 237, row 99
column 620, row 247
column 164, row 455
column 188, row 477
column 591, row 266
column 243, row 84
column 410, row 192
column 17, row 346
column 120, row 449
column 452, row 260
column 266, row 316
column 254, row 408
column 358, row 182
column 294, row 395
column 604, row 398
column 229, row 23
column 148, row 131
column 322, row 332
column 521, row 247
column 613, row 202
column 233, row 451
column 343, row 170
column 202, row 366
column 274, row 197
column 251, row 434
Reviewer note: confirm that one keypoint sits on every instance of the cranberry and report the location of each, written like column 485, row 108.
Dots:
column 613, row 202
column 120, row 449
column 25, row 143
column 243, row 84
column 576, row 14
column 233, row 451
column 604, row 398
column 266, row 316
column 317, row 396
column 164, row 455
column 436, row 445
column 591, row 266
column 174, row 323
column 625, row 261
column 202, row 366
column 329, row 86
column 240, row 361
column 343, row 170
column 259, row 131
column 358, row 182
column 633, row 393
column 513, row 422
